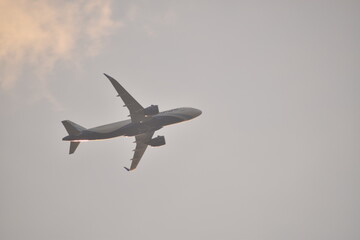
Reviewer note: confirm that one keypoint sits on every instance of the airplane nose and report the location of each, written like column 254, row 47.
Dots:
column 197, row 112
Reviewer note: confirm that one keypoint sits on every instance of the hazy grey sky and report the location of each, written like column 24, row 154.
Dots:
column 275, row 155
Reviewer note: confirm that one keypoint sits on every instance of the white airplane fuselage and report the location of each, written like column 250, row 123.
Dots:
column 129, row 128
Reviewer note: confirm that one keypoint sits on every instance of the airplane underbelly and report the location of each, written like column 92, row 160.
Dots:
column 140, row 128
column 132, row 129
column 167, row 120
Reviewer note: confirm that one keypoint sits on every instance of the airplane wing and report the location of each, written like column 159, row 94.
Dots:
column 141, row 145
column 134, row 107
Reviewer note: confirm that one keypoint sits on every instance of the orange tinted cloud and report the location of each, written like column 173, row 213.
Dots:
column 40, row 33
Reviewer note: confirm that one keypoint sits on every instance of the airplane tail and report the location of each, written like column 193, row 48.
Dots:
column 73, row 129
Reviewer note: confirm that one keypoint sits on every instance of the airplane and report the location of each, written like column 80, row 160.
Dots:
column 142, row 125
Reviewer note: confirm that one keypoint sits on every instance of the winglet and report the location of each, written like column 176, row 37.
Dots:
column 127, row 169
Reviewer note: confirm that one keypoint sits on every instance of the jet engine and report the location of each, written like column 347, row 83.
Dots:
column 158, row 141
column 152, row 110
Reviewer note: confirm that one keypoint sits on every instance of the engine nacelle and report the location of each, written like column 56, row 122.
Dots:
column 158, row 141
column 152, row 110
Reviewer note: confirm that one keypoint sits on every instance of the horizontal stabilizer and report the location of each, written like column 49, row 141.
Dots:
column 73, row 146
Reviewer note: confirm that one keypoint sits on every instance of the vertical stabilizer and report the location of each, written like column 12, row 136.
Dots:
column 73, row 146
column 72, row 128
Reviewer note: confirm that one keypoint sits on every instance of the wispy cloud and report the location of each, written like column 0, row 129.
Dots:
column 37, row 34
column 150, row 18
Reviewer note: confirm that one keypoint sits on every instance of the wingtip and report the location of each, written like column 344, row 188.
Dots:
column 112, row 80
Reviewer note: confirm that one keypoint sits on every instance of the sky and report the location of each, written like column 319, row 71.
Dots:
column 275, row 154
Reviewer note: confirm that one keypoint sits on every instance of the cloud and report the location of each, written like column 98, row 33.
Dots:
column 150, row 18
column 37, row 34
